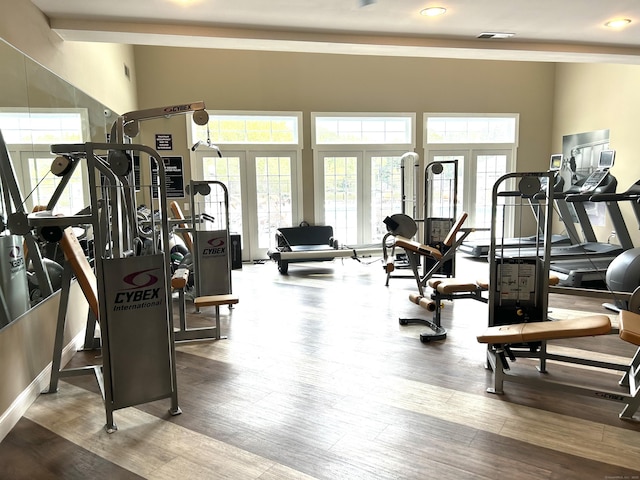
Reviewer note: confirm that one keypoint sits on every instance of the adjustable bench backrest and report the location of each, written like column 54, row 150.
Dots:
column 451, row 236
column 428, row 250
column 75, row 255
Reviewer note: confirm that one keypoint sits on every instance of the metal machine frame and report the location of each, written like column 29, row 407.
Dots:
column 518, row 295
column 134, row 346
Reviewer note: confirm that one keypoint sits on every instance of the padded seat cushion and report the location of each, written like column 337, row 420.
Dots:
column 213, row 300
column 180, row 278
column 453, row 286
column 629, row 327
column 552, row 330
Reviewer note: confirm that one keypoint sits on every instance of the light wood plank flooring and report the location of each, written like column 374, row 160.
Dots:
column 317, row 380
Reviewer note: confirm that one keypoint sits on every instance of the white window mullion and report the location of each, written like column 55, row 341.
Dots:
column 364, row 198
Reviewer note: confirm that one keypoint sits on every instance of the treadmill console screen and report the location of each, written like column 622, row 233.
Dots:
column 594, row 180
column 606, row 159
column 556, row 162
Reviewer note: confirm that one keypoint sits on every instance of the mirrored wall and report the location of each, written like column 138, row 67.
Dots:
column 37, row 109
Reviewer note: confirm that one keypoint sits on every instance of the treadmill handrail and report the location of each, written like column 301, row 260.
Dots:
column 614, row 197
column 578, row 197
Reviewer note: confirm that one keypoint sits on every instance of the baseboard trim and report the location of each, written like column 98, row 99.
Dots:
column 21, row 404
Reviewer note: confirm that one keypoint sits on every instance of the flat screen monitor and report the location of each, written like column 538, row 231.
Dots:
column 606, row 159
column 556, row 162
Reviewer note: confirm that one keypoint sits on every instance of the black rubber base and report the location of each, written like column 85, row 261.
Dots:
column 433, row 336
column 437, row 332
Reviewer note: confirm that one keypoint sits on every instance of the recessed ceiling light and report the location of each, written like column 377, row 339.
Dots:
column 618, row 23
column 433, row 11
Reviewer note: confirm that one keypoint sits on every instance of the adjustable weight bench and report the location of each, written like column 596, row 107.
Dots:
column 415, row 250
column 501, row 338
column 448, row 289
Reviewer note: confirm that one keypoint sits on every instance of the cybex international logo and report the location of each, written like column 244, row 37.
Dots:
column 141, row 279
column 143, row 291
column 16, row 260
column 178, row 108
column 217, row 246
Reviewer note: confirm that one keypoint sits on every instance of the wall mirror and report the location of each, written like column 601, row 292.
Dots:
column 38, row 109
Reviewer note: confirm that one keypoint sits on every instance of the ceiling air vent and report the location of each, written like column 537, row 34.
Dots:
column 495, row 35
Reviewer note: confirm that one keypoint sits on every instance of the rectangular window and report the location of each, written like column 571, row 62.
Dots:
column 248, row 129
column 29, row 135
column 363, row 130
column 42, row 128
column 470, row 130
column 489, row 168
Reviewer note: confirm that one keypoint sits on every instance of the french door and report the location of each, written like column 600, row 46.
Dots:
column 478, row 170
column 263, row 194
column 355, row 191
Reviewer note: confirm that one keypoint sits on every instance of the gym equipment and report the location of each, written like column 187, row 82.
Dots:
column 17, row 238
column 409, row 166
column 184, row 333
column 440, row 212
column 417, row 251
column 131, row 293
column 501, row 338
column 598, row 187
column 480, row 248
column 623, row 273
column 313, row 243
column 454, row 289
column 209, row 230
column 442, row 289
column 127, row 126
column 518, row 309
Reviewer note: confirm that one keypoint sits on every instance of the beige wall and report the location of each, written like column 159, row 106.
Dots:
column 601, row 96
column 242, row 80
column 95, row 68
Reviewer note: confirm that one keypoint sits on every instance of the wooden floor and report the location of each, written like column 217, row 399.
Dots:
column 318, row 380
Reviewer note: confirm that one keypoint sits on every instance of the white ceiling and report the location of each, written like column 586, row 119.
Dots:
column 545, row 30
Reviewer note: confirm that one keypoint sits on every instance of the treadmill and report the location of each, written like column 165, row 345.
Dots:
column 591, row 258
column 480, row 248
